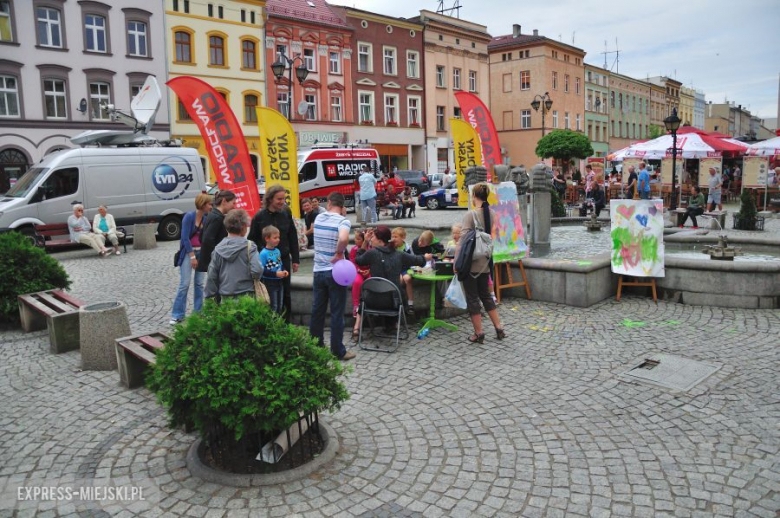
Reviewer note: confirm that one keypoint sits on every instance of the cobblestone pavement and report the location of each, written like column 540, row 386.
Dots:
column 535, row 425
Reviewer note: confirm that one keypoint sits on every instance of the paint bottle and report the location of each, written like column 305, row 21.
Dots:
column 423, row 333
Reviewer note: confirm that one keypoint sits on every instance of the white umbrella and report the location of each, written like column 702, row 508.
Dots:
column 689, row 145
column 769, row 147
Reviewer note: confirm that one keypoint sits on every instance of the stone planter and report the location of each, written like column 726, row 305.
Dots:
column 99, row 326
column 144, row 236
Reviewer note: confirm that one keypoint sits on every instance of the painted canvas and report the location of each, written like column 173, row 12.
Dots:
column 637, row 237
column 508, row 236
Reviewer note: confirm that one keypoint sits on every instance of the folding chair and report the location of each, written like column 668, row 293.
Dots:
column 380, row 297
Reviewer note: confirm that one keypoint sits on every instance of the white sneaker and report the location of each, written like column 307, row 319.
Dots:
column 175, row 321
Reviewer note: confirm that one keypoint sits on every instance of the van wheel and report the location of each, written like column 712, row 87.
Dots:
column 169, row 228
column 28, row 231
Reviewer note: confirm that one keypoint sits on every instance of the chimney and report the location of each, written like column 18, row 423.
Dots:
column 515, row 30
column 536, row 32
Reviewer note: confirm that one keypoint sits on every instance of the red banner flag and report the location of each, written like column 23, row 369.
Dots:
column 476, row 113
column 223, row 138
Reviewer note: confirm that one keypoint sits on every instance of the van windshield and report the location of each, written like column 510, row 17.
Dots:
column 27, row 182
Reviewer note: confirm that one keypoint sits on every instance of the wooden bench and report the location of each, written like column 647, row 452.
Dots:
column 57, row 235
column 55, row 310
column 134, row 353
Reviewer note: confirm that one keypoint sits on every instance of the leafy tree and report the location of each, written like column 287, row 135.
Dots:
column 564, row 145
column 25, row 269
column 655, row 131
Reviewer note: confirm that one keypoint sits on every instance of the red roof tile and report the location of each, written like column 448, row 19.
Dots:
column 302, row 10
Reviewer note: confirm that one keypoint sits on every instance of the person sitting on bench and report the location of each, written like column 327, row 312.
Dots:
column 80, row 231
column 105, row 226
column 695, row 207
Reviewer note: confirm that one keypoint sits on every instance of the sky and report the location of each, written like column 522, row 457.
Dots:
column 728, row 50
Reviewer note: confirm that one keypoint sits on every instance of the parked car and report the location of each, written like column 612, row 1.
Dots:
column 436, row 180
column 417, row 180
column 438, row 198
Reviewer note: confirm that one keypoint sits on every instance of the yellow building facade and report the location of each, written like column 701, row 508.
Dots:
column 221, row 44
column 687, row 103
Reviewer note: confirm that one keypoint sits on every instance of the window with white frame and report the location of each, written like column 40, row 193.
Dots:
column 440, row 76
column 281, row 50
column 308, row 60
column 555, row 118
column 136, row 39
column 282, row 100
column 364, row 57
column 311, row 110
column 389, row 61
column 6, row 31
column 577, row 85
column 413, row 104
column 9, row 96
column 555, row 80
column 525, row 119
column 440, row 118
column 456, row 78
column 335, row 108
column 99, row 94
column 578, row 122
column 412, row 64
column 472, row 80
column 391, row 108
column 95, row 27
column 366, row 106
column 334, row 62
column 566, row 120
column 566, row 83
column 49, row 27
column 54, row 98
column 525, row 80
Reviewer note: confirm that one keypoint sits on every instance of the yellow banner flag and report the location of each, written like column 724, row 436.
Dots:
column 468, row 153
column 279, row 155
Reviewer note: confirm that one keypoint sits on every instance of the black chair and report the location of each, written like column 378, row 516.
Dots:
column 380, row 297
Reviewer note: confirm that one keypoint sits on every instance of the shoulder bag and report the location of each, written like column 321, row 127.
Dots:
column 261, row 292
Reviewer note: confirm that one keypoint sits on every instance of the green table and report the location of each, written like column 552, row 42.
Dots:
column 431, row 322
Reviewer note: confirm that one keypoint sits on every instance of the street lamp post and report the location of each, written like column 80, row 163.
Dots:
column 672, row 124
column 545, row 102
column 301, row 72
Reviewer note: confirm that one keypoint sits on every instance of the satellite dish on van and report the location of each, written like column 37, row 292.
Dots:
column 143, row 107
column 303, row 107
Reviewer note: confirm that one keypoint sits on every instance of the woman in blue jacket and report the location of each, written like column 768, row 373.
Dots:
column 189, row 254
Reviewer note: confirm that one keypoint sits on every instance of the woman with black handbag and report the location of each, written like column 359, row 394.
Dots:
column 476, row 282
column 186, row 258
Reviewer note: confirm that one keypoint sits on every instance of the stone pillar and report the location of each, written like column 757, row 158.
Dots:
column 100, row 325
column 144, row 236
column 540, row 211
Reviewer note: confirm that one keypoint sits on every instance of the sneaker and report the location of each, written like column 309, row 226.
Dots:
column 175, row 321
column 410, row 310
column 118, row 252
column 348, row 356
column 682, row 226
column 695, row 228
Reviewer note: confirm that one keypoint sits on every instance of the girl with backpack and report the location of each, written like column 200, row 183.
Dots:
column 476, row 227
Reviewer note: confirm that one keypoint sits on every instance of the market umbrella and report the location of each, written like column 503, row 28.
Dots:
column 769, row 147
column 717, row 141
column 688, row 145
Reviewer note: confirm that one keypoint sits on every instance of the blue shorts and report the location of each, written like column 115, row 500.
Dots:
column 714, row 197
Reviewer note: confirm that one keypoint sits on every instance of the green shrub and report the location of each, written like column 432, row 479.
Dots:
column 237, row 368
column 556, row 205
column 25, row 269
column 746, row 217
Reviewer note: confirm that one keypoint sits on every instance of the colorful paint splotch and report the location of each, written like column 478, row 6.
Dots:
column 508, row 236
column 637, row 237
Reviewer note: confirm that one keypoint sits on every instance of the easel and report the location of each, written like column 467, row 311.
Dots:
column 637, row 282
column 498, row 286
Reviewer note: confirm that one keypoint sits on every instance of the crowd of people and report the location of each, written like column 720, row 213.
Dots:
column 222, row 252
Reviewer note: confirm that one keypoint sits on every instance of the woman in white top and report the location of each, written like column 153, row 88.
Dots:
column 104, row 225
column 80, row 231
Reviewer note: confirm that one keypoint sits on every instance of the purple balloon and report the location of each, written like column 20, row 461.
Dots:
column 344, row 272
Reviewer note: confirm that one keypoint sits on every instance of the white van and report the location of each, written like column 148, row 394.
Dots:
column 323, row 170
column 137, row 184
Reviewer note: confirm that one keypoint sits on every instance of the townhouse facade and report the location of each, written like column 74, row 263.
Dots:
column 629, row 103
column 60, row 62
column 387, row 80
column 671, row 93
column 523, row 66
column 687, row 105
column 221, row 44
column 455, row 58
column 597, row 108
column 699, row 109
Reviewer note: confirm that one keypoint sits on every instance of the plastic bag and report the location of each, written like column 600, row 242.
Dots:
column 454, row 297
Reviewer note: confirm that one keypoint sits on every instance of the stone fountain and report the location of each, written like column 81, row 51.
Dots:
column 593, row 224
column 541, row 185
column 722, row 251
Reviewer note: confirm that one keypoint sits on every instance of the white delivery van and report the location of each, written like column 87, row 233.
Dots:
column 137, row 184
column 322, row 170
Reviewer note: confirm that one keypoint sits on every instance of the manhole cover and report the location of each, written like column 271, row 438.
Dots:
column 669, row 371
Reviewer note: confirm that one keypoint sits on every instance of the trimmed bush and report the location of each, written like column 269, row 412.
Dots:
column 25, row 269
column 748, row 214
column 556, row 205
column 238, row 369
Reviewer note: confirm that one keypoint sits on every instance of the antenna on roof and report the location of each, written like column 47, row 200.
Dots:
column 447, row 11
column 616, row 52
column 143, row 107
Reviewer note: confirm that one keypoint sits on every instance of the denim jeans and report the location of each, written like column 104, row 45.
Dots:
column 368, row 208
column 180, row 302
column 645, row 195
column 276, row 294
column 326, row 290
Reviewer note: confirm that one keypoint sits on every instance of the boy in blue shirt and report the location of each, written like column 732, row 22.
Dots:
column 271, row 261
